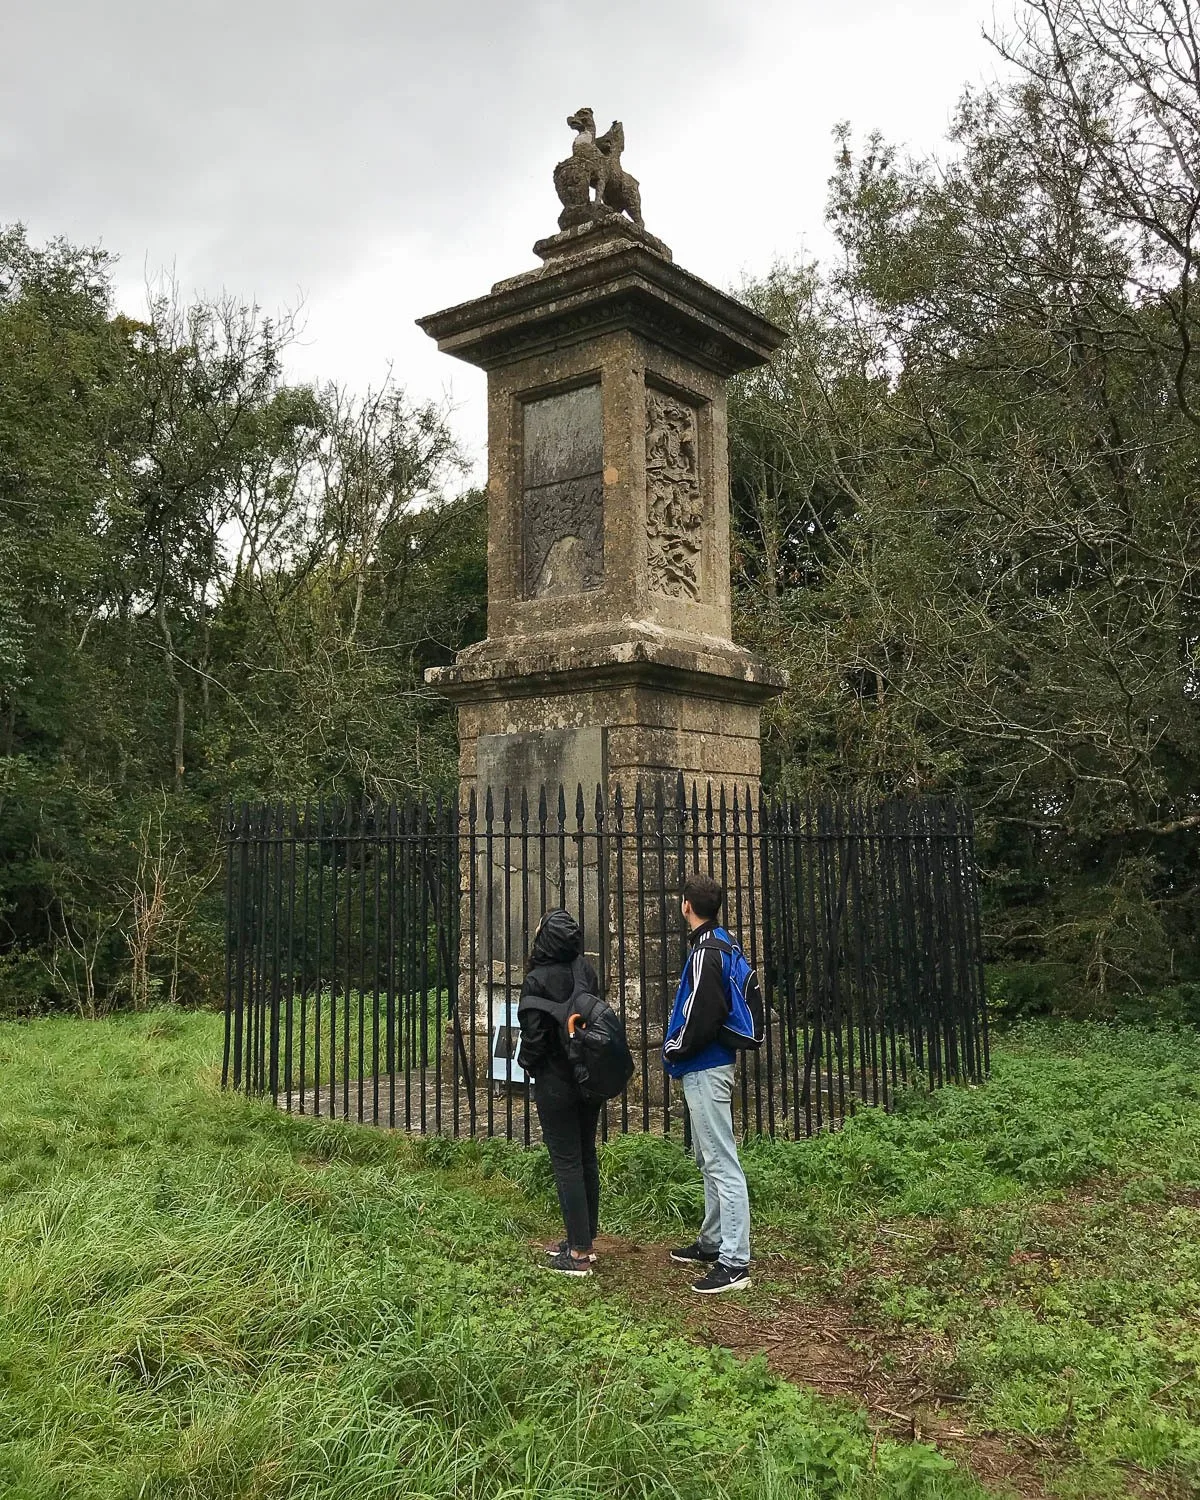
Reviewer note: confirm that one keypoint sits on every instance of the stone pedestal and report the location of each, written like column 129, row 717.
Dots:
column 609, row 656
column 608, row 514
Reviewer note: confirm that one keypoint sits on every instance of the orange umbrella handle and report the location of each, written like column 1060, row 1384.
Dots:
column 571, row 1023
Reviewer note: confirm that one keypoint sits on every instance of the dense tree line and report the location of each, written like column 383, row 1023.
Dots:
column 966, row 518
column 213, row 584
column 967, row 494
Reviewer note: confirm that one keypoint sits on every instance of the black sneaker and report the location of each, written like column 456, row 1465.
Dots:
column 566, row 1264
column 723, row 1278
column 561, row 1249
column 693, row 1255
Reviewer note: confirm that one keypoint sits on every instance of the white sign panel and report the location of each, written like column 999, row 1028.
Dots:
column 506, row 1039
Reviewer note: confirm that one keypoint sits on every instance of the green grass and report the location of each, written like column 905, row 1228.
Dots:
column 418, row 1021
column 1046, row 1227
column 204, row 1297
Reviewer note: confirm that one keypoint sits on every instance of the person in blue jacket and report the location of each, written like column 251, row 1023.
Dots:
column 695, row 1051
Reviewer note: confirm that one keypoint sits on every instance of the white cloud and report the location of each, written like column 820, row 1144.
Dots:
column 385, row 160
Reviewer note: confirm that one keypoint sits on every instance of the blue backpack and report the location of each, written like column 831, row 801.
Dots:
column 745, row 1030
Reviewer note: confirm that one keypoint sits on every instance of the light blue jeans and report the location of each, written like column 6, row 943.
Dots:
column 726, row 1226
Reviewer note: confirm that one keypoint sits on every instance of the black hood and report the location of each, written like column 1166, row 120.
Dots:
column 558, row 939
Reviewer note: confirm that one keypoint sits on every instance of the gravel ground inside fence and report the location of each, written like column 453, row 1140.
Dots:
column 405, row 1104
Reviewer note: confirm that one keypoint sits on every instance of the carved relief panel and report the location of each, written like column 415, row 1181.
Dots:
column 562, row 511
column 674, row 514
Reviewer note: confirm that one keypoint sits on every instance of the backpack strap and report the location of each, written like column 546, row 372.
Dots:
column 728, row 949
column 561, row 1010
column 556, row 1008
column 582, row 996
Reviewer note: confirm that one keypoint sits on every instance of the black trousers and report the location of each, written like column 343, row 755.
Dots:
column 569, row 1124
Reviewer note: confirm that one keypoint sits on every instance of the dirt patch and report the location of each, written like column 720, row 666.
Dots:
column 821, row 1344
column 820, row 1330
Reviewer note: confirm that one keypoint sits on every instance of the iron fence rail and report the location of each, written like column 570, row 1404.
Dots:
column 375, row 952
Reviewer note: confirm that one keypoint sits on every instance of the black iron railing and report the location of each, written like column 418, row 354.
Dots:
column 375, row 953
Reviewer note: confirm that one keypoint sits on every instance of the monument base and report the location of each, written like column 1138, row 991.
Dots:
column 666, row 704
column 557, row 738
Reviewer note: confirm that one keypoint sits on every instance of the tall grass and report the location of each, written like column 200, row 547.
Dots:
column 203, row 1297
column 350, row 1033
column 1044, row 1228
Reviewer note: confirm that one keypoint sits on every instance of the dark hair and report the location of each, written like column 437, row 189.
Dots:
column 704, row 895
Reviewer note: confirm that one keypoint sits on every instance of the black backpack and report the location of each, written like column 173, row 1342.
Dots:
column 593, row 1037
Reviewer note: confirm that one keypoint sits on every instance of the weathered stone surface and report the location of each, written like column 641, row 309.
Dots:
column 585, row 241
column 674, row 512
column 531, row 761
column 563, row 493
column 623, row 285
column 517, row 850
column 658, row 720
column 609, row 655
column 594, row 166
column 626, row 602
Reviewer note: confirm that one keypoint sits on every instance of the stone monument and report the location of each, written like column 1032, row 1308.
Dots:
column 608, row 660
column 609, row 657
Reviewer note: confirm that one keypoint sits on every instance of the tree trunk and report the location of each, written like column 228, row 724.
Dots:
column 180, row 700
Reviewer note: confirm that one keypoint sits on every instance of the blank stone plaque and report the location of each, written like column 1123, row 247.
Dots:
column 565, row 867
column 562, row 512
column 548, row 758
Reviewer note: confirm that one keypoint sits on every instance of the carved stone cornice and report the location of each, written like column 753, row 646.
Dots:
column 574, row 298
column 525, row 667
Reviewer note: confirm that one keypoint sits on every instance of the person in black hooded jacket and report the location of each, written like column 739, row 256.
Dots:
column 568, row 1120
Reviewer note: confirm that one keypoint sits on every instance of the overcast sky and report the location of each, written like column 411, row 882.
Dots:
column 381, row 159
